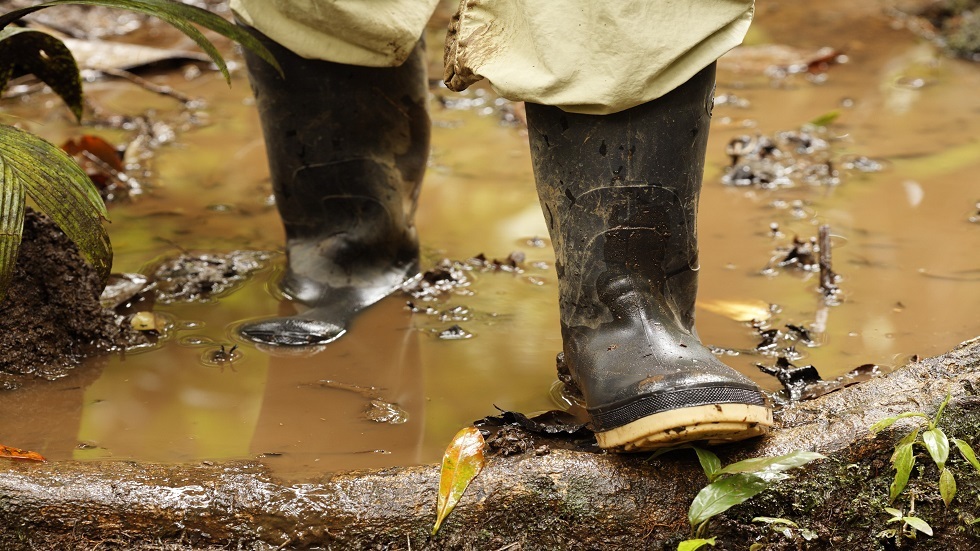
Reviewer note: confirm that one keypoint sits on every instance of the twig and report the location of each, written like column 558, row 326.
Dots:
column 155, row 88
column 828, row 279
column 104, row 167
column 22, row 86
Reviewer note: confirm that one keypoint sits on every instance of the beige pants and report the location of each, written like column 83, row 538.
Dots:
column 584, row 56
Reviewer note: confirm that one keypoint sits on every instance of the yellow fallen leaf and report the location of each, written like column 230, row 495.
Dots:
column 738, row 310
column 461, row 463
column 148, row 321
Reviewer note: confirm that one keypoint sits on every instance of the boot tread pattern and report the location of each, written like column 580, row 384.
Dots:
column 713, row 424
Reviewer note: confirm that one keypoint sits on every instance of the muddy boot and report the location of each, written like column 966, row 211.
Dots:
column 347, row 149
column 620, row 196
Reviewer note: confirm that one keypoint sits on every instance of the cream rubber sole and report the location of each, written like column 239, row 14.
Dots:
column 714, row 423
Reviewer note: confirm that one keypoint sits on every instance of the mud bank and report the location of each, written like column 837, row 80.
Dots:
column 562, row 500
column 51, row 316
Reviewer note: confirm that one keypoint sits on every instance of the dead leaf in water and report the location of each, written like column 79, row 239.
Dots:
column 461, row 463
column 97, row 147
column 100, row 160
column 17, row 453
column 148, row 321
column 739, row 310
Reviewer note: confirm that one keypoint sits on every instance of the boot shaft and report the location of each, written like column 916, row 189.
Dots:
column 335, row 132
column 347, row 148
column 620, row 196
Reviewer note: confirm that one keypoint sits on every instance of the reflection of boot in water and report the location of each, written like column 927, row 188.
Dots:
column 357, row 404
column 347, row 149
column 620, row 195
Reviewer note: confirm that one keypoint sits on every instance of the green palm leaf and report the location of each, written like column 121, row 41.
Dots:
column 59, row 187
column 11, row 223
column 47, row 58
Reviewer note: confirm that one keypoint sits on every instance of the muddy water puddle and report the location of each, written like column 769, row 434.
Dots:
column 392, row 392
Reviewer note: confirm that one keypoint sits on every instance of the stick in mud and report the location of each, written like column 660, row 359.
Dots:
column 828, row 278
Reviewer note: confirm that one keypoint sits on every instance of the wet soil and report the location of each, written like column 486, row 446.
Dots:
column 51, row 317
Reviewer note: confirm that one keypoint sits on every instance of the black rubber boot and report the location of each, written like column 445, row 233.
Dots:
column 347, row 149
column 620, row 196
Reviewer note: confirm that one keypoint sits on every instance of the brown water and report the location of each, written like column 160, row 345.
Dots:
column 906, row 251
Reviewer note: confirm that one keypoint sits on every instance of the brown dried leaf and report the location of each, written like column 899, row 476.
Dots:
column 99, row 159
column 17, row 453
column 98, row 147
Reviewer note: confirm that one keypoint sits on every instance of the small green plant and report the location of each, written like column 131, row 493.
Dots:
column 909, row 527
column 935, row 441
column 733, row 484
column 694, row 544
column 33, row 168
column 785, row 527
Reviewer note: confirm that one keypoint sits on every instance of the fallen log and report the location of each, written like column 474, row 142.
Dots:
column 562, row 500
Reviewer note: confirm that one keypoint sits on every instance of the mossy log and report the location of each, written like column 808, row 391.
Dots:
column 562, row 500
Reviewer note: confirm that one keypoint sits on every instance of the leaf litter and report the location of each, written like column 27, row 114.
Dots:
column 513, row 433
column 812, row 255
column 805, row 383
column 791, row 158
column 203, row 277
column 451, row 278
column 103, row 163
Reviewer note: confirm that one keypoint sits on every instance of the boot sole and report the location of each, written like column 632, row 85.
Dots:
column 714, row 423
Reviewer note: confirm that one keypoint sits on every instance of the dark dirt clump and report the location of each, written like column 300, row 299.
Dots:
column 51, row 317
